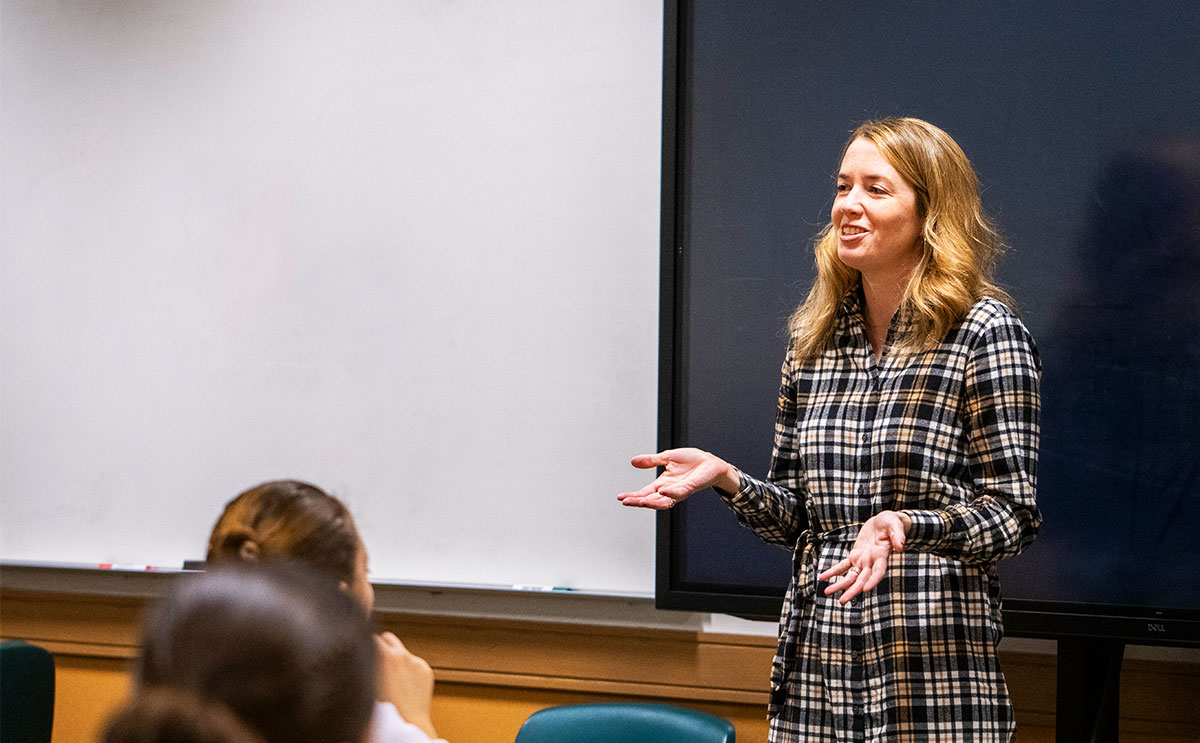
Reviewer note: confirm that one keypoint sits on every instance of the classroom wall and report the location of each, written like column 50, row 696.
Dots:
column 390, row 247
column 492, row 673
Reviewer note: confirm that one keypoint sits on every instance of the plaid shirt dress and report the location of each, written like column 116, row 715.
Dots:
column 947, row 435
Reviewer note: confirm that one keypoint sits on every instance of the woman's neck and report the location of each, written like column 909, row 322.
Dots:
column 882, row 297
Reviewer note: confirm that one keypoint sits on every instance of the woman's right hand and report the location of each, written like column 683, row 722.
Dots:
column 686, row 471
column 406, row 681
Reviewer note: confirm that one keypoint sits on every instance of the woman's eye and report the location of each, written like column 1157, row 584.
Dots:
column 877, row 190
column 842, row 188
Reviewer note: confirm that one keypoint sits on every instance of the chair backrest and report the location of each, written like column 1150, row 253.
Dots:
column 26, row 693
column 624, row 722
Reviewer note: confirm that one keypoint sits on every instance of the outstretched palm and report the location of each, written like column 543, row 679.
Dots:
column 685, row 471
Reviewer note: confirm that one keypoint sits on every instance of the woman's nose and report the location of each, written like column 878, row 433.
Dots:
column 851, row 201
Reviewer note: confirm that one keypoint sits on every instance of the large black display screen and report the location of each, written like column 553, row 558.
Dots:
column 1083, row 122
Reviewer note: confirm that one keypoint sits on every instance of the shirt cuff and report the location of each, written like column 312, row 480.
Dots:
column 745, row 485
column 928, row 528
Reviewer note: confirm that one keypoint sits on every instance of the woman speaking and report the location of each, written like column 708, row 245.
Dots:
column 904, row 458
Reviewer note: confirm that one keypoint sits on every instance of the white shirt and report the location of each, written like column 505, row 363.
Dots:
column 387, row 726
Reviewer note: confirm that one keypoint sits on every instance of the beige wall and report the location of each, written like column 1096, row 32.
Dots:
column 493, row 673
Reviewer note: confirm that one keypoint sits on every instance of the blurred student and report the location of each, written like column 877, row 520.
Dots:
column 238, row 655
column 289, row 520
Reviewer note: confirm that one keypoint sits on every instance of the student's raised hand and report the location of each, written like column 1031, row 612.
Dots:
column 406, row 681
column 686, row 471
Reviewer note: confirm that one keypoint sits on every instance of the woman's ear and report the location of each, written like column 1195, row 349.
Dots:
column 249, row 550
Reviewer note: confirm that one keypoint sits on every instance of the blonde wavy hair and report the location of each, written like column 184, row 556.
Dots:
column 959, row 245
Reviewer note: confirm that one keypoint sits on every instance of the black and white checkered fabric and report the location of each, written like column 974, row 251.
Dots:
column 948, row 435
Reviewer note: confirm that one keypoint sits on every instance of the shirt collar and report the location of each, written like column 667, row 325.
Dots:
column 851, row 322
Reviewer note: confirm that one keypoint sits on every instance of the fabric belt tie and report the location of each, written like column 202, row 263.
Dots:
column 805, row 560
column 808, row 552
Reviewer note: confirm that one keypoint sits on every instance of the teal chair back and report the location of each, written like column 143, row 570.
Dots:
column 624, row 722
column 26, row 693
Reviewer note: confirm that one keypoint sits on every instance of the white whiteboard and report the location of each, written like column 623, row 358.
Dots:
column 405, row 250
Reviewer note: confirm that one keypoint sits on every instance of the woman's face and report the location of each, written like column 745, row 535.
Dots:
column 875, row 215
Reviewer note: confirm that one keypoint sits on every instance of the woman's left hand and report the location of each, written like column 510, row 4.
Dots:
column 863, row 568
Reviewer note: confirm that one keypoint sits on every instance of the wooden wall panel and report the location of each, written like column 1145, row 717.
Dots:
column 653, row 663
column 493, row 673
column 88, row 691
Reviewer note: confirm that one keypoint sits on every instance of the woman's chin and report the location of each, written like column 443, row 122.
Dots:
column 852, row 256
